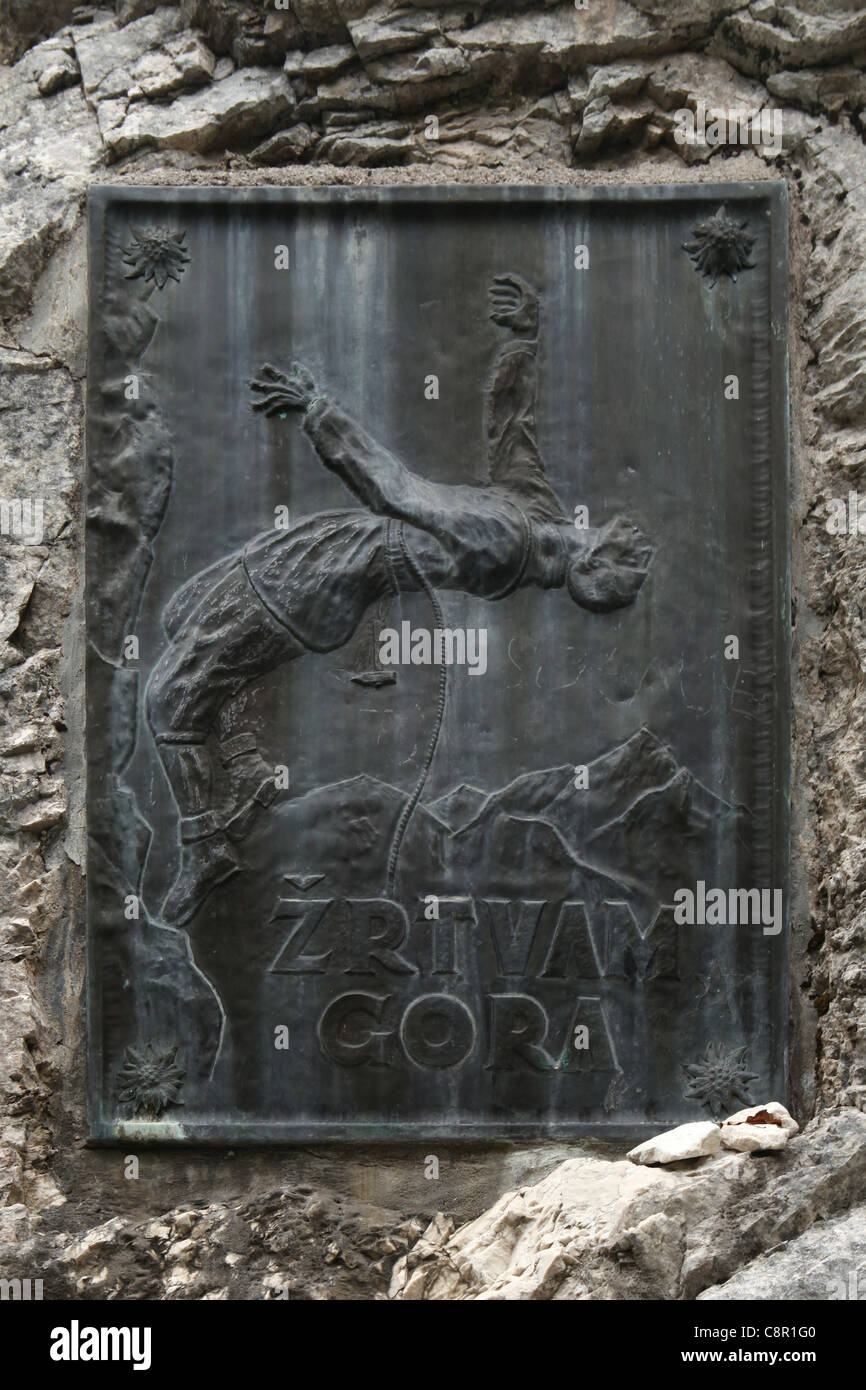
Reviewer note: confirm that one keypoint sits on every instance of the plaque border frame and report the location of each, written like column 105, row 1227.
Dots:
column 771, row 441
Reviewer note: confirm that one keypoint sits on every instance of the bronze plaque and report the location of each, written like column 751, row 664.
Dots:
column 437, row 660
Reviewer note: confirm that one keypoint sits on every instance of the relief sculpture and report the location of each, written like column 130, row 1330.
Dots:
column 305, row 590
column 506, row 852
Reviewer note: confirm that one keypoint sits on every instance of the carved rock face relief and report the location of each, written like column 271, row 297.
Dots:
column 437, row 660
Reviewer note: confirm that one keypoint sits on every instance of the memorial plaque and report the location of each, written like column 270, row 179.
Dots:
column 437, row 676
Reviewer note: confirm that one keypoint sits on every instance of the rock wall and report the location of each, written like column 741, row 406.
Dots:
column 343, row 91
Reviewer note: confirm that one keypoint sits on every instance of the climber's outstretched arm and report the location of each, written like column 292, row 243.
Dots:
column 376, row 477
column 514, row 460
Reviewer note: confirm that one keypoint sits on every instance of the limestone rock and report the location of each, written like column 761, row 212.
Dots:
column 760, row 1128
column 320, row 21
column 389, row 28
column 108, row 55
column 691, row 19
column 685, row 79
column 367, row 148
column 607, row 123
column 628, row 102
column 492, row 135
column 828, row 1261
column 296, row 1242
column 225, row 22
column 321, row 63
column 350, row 92
column 524, row 1246
column 686, row 1141
column 566, row 39
column 771, row 1113
column 286, row 147
column 407, row 81
column 183, row 63
column 41, row 451
column 281, row 31
column 56, row 322
column 748, row 1139
column 820, row 1172
column 49, row 144
column 796, row 38
column 50, row 66
column 597, row 1228
column 842, row 329
column 128, row 10
column 355, row 9
column 23, row 1042
column 618, row 81
column 816, row 89
column 250, row 33
column 23, row 22
column 244, row 106
column 837, row 326
column 57, row 76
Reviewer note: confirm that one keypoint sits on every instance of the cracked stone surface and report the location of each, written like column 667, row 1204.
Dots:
column 599, row 1229
column 344, row 91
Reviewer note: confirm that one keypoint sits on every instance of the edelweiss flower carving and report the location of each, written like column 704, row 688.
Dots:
column 718, row 1077
column 150, row 1080
column 721, row 246
column 156, row 254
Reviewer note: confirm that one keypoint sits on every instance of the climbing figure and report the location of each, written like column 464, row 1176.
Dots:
column 306, row 589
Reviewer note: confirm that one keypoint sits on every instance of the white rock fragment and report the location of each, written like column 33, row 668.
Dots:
column 744, row 1132
column 686, row 1141
column 772, row 1107
column 746, row 1139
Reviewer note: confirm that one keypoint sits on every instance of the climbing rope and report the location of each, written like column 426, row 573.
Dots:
column 412, row 801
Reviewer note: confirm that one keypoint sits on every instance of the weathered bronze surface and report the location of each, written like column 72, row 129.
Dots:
column 437, row 660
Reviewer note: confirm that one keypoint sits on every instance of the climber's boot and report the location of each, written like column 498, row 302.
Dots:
column 253, row 783
column 207, row 860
